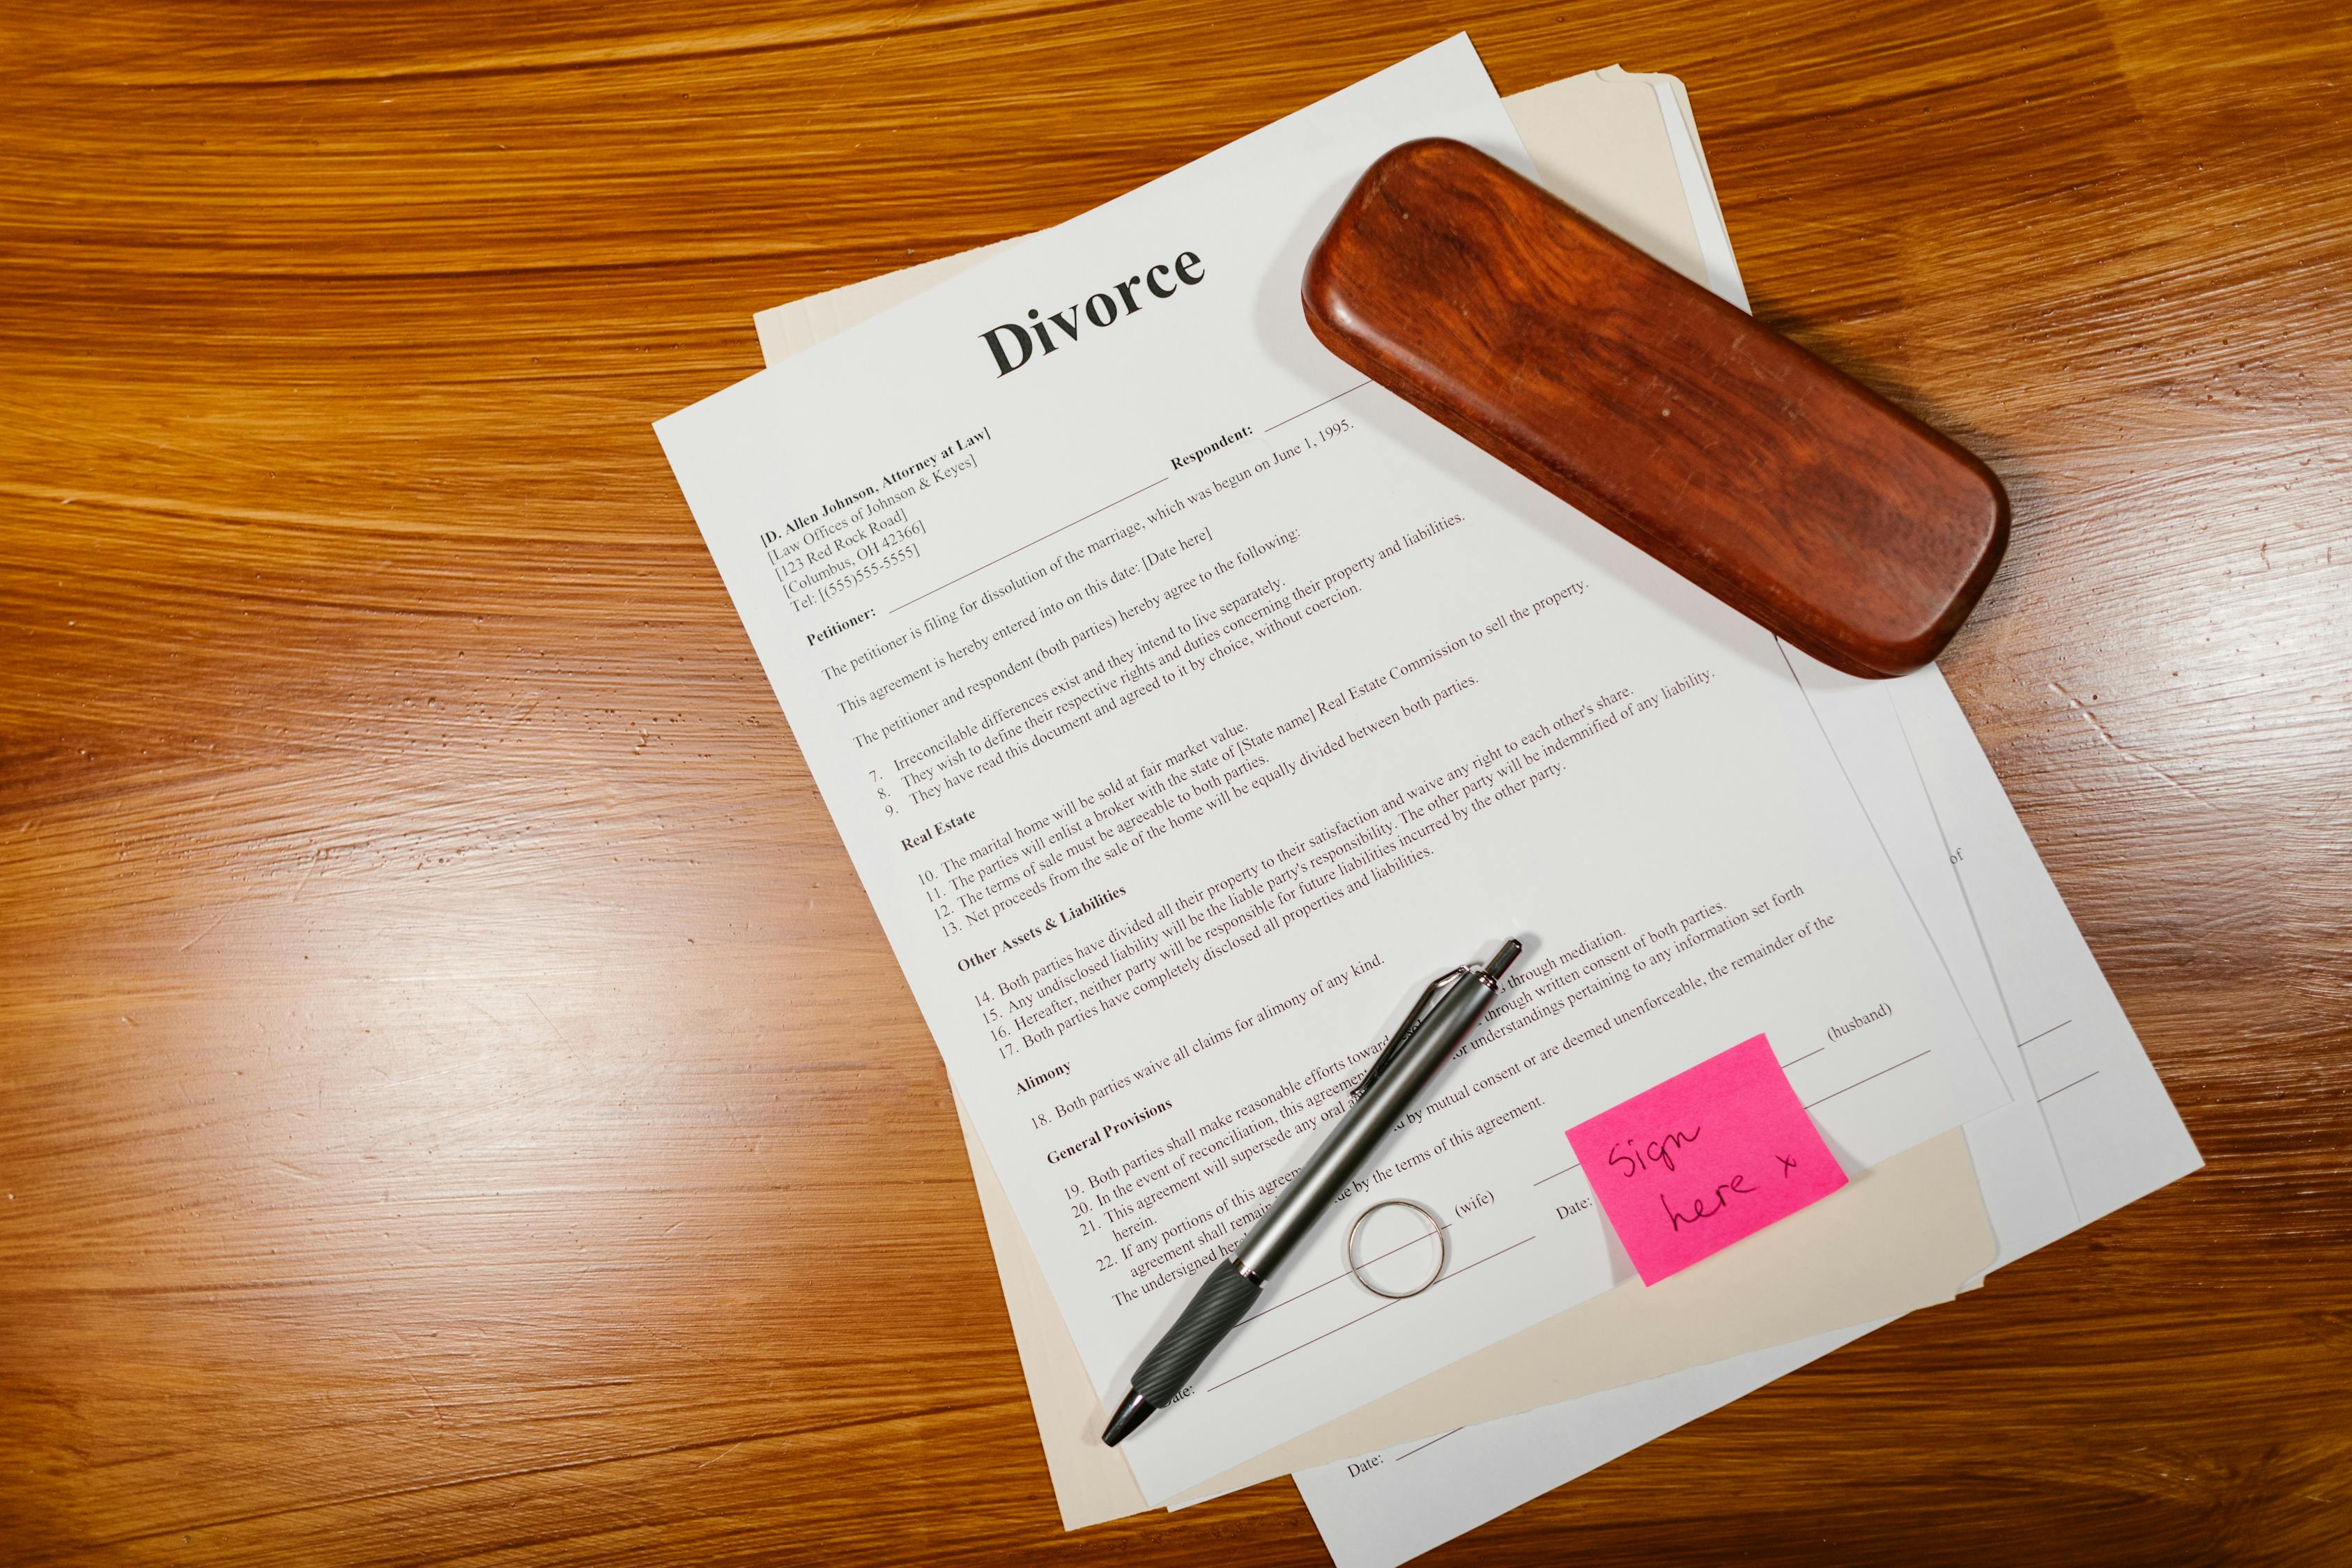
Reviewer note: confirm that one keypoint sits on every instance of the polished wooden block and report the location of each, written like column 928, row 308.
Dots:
column 428, row 1132
column 1791, row 491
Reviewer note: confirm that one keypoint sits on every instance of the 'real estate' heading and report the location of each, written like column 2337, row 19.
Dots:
column 1159, row 282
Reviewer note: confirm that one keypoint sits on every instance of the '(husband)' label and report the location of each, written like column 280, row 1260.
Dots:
column 1709, row 1156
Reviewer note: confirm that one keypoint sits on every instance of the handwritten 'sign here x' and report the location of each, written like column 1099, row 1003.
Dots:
column 1186, row 703
column 1715, row 1153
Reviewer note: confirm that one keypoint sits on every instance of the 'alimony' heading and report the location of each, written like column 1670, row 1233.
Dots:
column 1160, row 282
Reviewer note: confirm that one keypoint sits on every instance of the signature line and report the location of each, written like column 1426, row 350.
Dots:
column 2064, row 1087
column 2044, row 1033
column 1409, row 1453
column 1353, row 1322
column 1286, row 1301
column 1333, row 398
column 1857, row 1083
column 1039, row 540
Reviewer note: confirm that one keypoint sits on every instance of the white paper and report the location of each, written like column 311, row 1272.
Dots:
column 2118, row 1135
column 2028, row 980
column 1383, row 1508
column 1602, row 164
column 2018, row 1170
column 1183, row 651
column 2116, row 1138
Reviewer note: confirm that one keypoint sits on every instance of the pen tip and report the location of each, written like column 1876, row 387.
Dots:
column 1504, row 958
column 1129, row 1416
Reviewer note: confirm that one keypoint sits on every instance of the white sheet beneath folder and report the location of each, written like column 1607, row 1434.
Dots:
column 1184, row 703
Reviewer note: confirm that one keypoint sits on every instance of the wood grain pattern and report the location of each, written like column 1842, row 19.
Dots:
column 420, row 1138
column 1793, row 494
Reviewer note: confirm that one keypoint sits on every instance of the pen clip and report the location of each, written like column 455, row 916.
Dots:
column 1406, row 1031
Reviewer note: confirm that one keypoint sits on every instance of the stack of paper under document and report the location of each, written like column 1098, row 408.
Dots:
column 1186, row 703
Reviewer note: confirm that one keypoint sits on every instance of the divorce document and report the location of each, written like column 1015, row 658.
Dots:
column 1187, row 703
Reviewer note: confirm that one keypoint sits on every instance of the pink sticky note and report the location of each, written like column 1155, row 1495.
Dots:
column 1709, row 1156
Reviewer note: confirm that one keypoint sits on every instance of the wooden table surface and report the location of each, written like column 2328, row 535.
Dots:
column 421, row 1138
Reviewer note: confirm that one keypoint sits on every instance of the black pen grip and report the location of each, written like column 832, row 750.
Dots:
column 1223, row 1299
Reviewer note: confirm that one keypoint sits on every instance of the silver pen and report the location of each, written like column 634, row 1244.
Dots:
column 1448, row 1010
